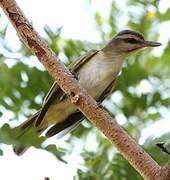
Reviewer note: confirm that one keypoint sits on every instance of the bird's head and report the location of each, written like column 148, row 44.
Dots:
column 128, row 41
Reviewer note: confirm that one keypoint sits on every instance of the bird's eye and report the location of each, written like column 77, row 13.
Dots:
column 131, row 41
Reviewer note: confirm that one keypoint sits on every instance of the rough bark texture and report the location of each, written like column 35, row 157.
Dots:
column 139, row 159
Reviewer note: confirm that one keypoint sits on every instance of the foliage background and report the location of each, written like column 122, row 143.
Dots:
column 140, row 99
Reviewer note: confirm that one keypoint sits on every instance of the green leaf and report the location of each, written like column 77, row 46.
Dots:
column 1, row 152
column 99, row 19
column 154, row 116
column 58, row 152
column 165, row 16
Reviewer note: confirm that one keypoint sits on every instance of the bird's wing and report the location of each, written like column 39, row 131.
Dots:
column 55, row 92
column 74, row 66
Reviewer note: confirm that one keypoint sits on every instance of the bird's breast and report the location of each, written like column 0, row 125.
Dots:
column 95, row 76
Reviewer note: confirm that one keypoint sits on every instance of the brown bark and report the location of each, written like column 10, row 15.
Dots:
column 138, row 158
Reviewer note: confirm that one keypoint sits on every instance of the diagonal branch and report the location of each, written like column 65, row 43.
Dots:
column 139, row 159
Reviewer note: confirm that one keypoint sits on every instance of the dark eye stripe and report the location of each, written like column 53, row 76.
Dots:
column 131, row 41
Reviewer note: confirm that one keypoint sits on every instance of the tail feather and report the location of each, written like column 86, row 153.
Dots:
column 65, row 126
column 19, row 150
column 62, row 128
column 30, row 121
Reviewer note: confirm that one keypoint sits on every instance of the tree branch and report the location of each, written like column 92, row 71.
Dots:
column 139, row 159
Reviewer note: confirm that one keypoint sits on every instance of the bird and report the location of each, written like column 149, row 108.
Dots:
column 97, row 72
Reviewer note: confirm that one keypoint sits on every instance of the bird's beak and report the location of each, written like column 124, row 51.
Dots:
column 151, row 44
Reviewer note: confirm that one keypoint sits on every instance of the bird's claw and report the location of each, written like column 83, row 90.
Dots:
column 74, row 74
column 99, row 103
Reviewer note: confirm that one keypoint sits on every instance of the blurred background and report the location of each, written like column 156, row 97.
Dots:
column 140, row 100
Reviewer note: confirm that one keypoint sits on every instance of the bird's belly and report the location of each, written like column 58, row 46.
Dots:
column 95, row 82
column 94, row 86
column 59, row 111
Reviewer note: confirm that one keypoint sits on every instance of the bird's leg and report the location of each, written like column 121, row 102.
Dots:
column 74, row 74
column 99, row 103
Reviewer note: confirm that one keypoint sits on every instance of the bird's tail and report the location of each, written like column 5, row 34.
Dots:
column 30, row 123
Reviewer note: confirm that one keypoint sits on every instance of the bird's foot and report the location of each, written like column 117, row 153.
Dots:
column 74, row 74
column 99, row 103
